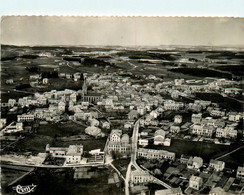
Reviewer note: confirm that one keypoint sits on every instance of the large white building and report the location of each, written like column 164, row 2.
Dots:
column 119, row 142
column 155, row 154
column 139, row 177
column 72, row 154
column 26, row 117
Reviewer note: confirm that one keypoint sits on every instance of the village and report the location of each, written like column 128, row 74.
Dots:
column 125, row 113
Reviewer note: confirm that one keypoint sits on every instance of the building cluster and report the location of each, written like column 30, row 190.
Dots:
column 155, row 154
column 74, row 154
column 186, row 88
column 159, row 138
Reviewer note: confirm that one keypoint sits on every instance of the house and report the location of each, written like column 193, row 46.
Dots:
column 139, row 177
column 56, row 151
column 172, row 105
column 217, row 113
column 234, row 116
column 144, row 133
column 195, row 182
column 11, row 102
column 133, row 115
column 77, row 76
column 217, row 165
column 154, row 114
column 195, row 163
column 25, row 117
column 159, row 137
column 94, row 122
column 45, row 81
column 105, row 125
column 9, row 81
column 141, row 110
column 128, row 125
column 143, row 142
column 184, row 159
column 174, row 129
column 178, row 119
column 179, row 82
column 119, row 142
column 196, row 118
column 240, row 173
column 115, row 135
column 155, row 154
column 203, row 103
column 35, row 77
column 74, row 153
column 94, row 131
column 227, row 132
column 197, row 129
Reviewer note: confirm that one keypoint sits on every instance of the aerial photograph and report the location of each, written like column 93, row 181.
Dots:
column 114, row 106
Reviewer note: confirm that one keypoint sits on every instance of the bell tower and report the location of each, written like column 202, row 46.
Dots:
column 84, row 87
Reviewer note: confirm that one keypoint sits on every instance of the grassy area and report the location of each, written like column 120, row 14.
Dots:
column 121, row 165
column 224, row 102
column 204, row 149
column 201, row 72
column 9, row 175
column 235, row 159
column 48, row 134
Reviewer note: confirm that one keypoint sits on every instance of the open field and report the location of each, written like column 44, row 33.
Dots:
column 224, row 102
column 48, row 134
column 204, row 149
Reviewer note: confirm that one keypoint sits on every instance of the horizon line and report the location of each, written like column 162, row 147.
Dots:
column 132, row 46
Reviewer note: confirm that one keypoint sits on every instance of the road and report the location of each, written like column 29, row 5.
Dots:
column 222, row 156
column 134, row 141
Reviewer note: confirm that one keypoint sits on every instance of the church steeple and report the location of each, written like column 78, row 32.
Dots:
column 84, row 87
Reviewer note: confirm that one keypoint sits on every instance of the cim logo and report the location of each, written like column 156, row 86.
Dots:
column 24, row 189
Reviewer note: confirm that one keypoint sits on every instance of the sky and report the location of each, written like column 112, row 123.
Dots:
column 122, row 31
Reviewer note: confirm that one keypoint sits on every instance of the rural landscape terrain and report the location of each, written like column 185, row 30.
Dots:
column 122, row 120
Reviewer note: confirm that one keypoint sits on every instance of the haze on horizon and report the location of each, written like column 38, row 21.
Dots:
column 122, row 31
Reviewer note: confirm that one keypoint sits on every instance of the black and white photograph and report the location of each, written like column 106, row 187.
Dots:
column 122, row 105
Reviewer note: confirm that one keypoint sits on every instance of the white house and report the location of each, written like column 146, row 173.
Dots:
column 217, row 165
column 233, row 116
column 105, row 125
column 174, row 129
column 115, row 135
column 25, row 117
column 178, row 119
column 139, row 177
column 240, row 172
column 195, row 163
column 196, row 118
column 74, row 153
column 159, row 137
column 45, row 81
column 195, row 182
